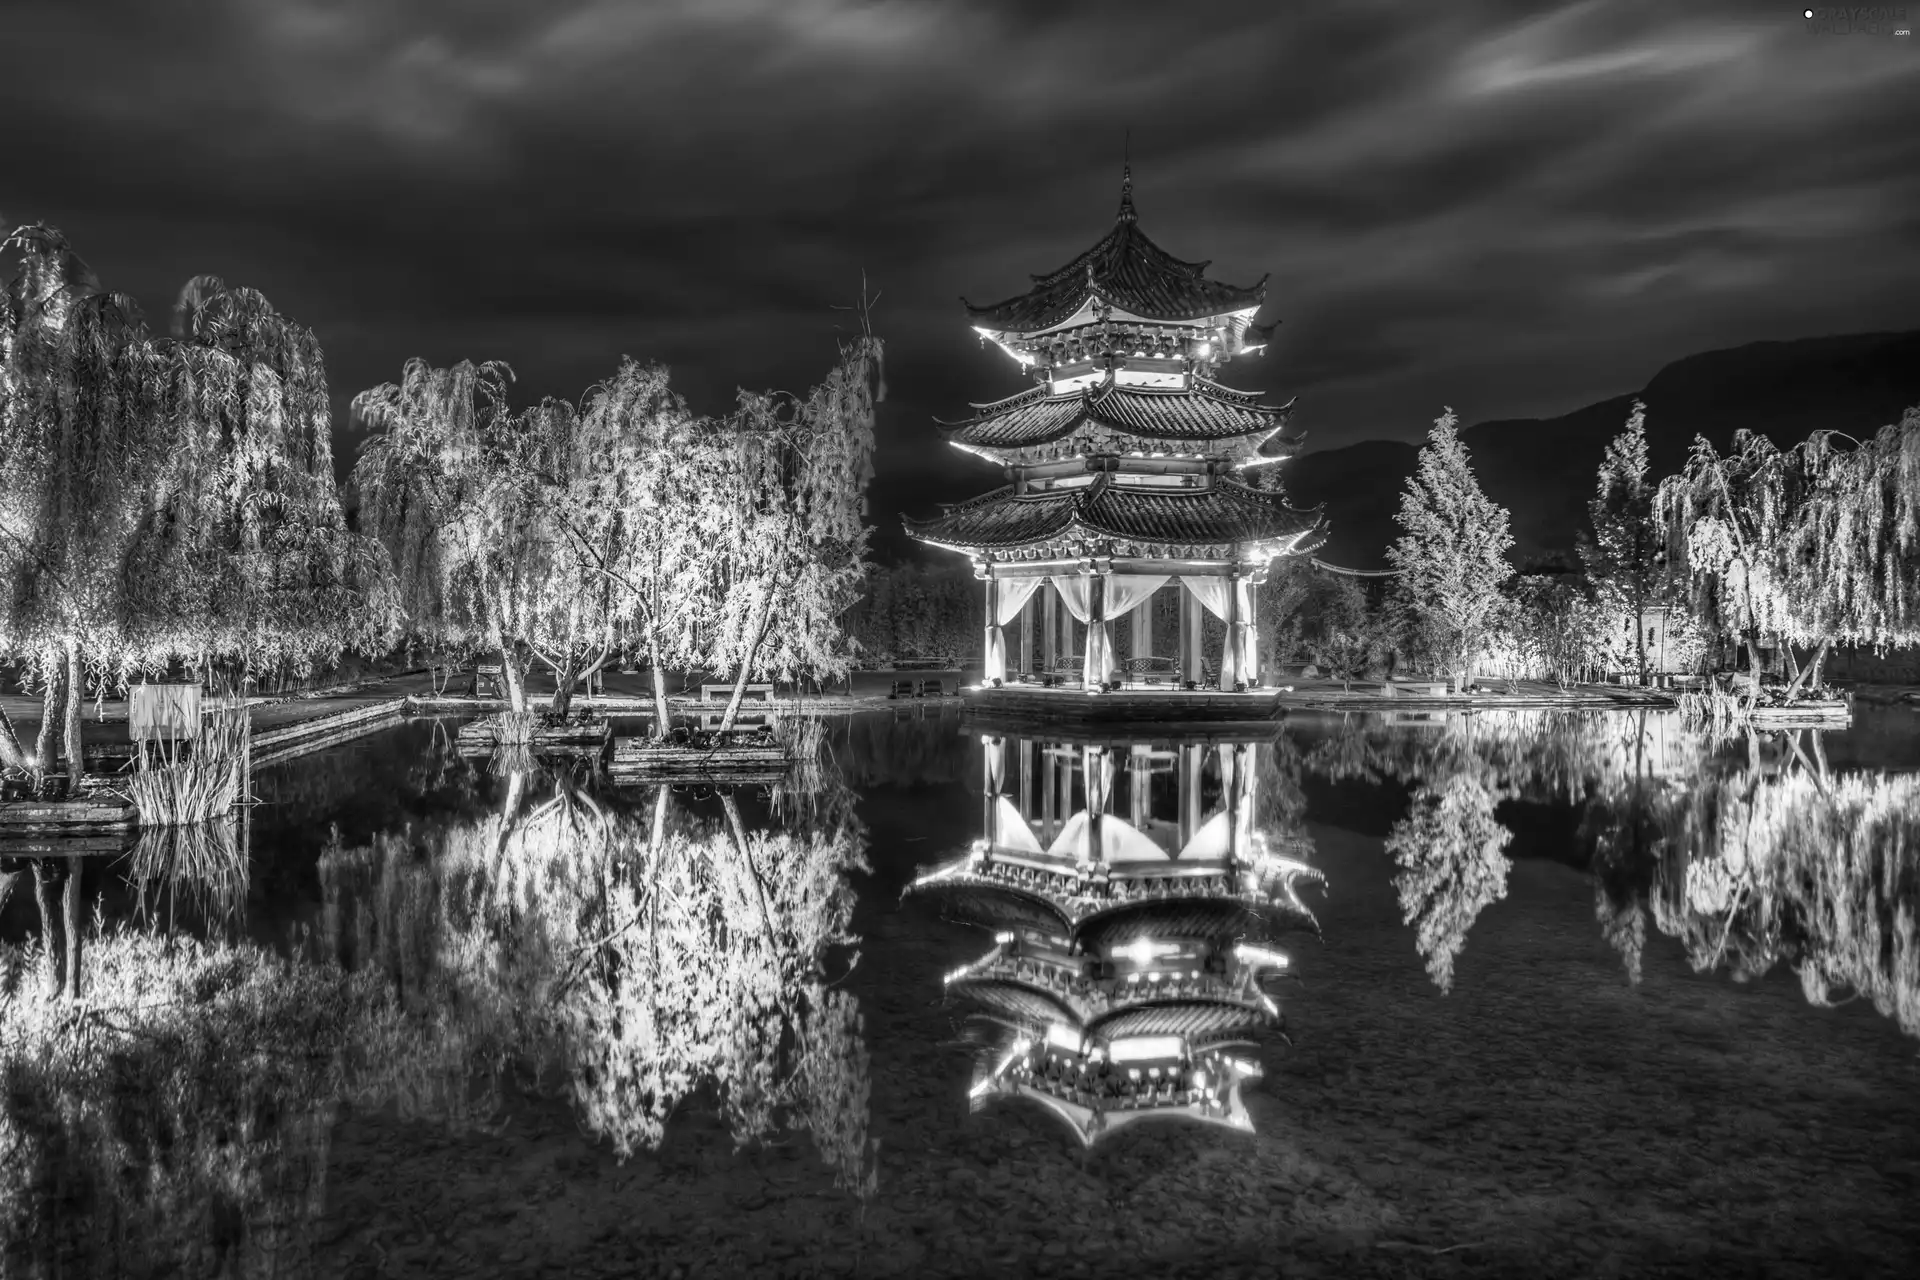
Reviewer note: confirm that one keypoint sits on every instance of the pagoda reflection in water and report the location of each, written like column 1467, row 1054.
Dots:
column 1135, row 903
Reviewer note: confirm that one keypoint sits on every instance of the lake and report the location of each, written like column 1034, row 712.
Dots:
column 1504, row 993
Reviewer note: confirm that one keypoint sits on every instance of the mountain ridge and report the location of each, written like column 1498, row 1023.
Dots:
column 1856, row 383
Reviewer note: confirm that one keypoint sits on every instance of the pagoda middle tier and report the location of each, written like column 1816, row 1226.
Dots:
column 1201, row 420
column 1117, row 514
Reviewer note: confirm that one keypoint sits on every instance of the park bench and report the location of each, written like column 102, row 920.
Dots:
column 1427, row 688
column 490, row 673
column 902, row 689
column 1155, row 670
column 929, row 689
column 708, row 691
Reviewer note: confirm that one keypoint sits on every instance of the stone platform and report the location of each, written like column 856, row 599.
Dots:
column 1031, row 704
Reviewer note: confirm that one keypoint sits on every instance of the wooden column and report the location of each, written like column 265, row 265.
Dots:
column 1142, row 630
column 1252, row 672
column 1065, row 809
column 1066, row 636
column 1189, row 789
column 1097, row 619
column 1025, row 625
column 1192, row 620
column 989, row 811
column 1229, row 643
column 985, row 574
column 1025, row 791
column 1092, row 760
column 1049, row 626
column 1140, row 784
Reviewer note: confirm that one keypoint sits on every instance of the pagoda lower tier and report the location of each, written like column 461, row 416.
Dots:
column 1106, row 547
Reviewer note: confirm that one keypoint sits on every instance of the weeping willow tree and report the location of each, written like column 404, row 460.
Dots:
column 244, row 554
column 1813, row 546
column 1853, row 556
column 164, row 499
column 645, row 961
column 790, row 526
column 629, row 485
column 557, row 534
column 436, row 485
column 81, row 427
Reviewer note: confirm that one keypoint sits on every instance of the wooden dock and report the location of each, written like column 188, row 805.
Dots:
column 644, row 760
column 59, row 844
column 275, row 746
column 89, row 815
column 1825, row 714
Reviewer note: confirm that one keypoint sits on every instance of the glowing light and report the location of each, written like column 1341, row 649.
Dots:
column 1144, row 951
column 1260, row 957
column 1147, row 1048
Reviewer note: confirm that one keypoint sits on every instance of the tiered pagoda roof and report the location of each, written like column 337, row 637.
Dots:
column 1152, row 521
column 1126, row 270
column 1129, row 986
column 1128, row 447
column 1203, row 419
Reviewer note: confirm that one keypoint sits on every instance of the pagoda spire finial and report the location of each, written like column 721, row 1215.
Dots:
column 1126, row 180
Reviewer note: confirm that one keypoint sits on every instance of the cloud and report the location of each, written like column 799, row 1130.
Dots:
column 1455, row 204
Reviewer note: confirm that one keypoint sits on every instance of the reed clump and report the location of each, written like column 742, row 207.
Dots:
column 181, row 783
column 515, row 726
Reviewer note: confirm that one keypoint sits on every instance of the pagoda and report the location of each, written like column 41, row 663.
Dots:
column 1133, row 929
column 1130, row 471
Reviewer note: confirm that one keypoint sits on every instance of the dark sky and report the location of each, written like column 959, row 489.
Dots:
column 1512, row 209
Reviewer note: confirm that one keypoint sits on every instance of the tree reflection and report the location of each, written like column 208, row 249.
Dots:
column 177, row 1119
column 1797, row 866
column 1461, row 767
column 171, row 1113
column 1748, row 849
column 1452, row 860
column 645, row 960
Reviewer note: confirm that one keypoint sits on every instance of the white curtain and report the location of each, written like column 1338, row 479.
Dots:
column 1240, row 784
column 1074, row 593
column 1216, row 595
column 1122, row 842
column 1125, row 593
column 994, row 752
column 1005, row 598
column 1211, row 841
column 1248, row 666
column 1011, row 830
column 1072, row 840
column 1128, row 591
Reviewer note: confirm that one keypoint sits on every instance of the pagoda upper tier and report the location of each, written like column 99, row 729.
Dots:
column 1128, row 306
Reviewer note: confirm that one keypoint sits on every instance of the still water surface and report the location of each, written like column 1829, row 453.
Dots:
column 1497, row 994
